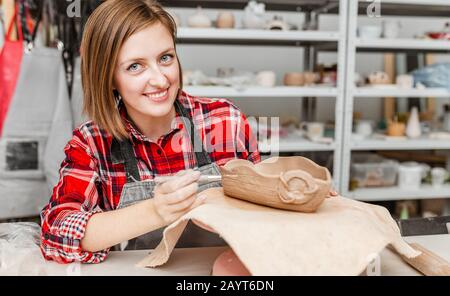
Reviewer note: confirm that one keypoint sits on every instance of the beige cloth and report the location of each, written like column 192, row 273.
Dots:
column 339, row 239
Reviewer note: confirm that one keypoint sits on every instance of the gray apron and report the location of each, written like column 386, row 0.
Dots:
column 135, row 190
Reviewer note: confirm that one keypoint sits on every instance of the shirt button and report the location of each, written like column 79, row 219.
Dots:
column 159, row 151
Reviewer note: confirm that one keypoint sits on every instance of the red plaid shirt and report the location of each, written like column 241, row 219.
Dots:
column 90, row 183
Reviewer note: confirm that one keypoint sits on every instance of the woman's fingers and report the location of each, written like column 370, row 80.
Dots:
column 184, row 204
column 178, row 182
column 181, row 194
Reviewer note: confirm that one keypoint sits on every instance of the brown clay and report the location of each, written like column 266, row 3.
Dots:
column 294, row 79
column 396, row 129
column 291, row 183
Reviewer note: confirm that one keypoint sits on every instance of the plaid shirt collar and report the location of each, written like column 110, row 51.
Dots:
column 177, row 123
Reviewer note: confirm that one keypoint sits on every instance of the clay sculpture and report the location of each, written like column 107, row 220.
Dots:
column 341, row 238
column 290, row 183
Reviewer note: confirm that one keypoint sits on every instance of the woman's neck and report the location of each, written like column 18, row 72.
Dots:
column 153, row 127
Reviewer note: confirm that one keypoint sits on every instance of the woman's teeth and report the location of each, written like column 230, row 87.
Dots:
column 158, row 95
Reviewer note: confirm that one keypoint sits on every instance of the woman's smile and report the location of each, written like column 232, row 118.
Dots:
column 158, row 96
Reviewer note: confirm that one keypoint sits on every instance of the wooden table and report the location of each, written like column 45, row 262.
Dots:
column 198, row 261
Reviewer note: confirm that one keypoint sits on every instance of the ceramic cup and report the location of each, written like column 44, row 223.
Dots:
column 438, row 176
column 369, row 32
column 364, row 128
column 266, row 78
column 314, row 130
column 405, row 81
column 410, row 175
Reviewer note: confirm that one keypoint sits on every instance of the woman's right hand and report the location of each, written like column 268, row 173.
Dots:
column 174, row 198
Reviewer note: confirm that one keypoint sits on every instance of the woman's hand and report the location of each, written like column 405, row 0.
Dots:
column 174, row 198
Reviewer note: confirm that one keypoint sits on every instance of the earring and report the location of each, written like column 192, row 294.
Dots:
column 117, row 97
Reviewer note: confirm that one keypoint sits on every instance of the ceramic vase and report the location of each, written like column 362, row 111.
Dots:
column 413, row 126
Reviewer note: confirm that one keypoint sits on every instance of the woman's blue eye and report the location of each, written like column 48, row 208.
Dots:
column 133, row 67
column 166, row 58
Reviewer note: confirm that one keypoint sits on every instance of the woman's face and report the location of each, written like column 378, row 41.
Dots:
column 147, row 73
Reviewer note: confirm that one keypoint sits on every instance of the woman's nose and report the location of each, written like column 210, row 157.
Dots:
column 157, row 78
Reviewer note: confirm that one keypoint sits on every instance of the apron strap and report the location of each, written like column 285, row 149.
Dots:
column 201, row 157
column 123, row 152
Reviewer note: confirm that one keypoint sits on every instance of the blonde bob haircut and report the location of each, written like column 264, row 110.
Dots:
column 106, row 30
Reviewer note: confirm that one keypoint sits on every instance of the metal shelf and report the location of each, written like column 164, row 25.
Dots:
column 262, row 92
column 254, row 37
column 358, row 8
column 286, row 5
column 428, row 8
column 296, row 144
column 389, row 45
column 395, row 193
column 400, row 144
column 370, row 92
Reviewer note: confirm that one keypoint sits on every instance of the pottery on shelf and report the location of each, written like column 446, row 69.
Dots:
column 413, row 129
column 405, row 81
column 199, row 20
column 311, row 77
column 225, row 20
column 277, row 23
column 294, row 79
column 379, row 77
column 266, row 78
column 395, row 129
column 254, row 15
column 291, row 183
column 369, row 32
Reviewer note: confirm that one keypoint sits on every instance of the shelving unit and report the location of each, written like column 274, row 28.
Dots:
column 309, row 40
column 390, row 7
column 262, row 92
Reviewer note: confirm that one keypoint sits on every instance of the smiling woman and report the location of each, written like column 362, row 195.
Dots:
column 125, row 45
column 142, row 125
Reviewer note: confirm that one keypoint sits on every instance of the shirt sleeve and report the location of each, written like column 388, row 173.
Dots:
column 73, row 202
column 246, row 141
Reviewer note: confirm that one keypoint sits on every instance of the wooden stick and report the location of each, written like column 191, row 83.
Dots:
column 428, row 263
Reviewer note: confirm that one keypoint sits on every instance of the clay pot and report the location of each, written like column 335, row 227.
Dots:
column 225, row 20
column 379, row 77
column 396, row 129
column 199, row 20
column 291, row 183
column 294, row 79
column 266, row 78
column 311, row 77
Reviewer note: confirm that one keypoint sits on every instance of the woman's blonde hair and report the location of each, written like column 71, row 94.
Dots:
column 107, row 28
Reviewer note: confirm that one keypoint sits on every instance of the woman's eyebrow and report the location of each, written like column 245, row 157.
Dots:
column 143, row 59
column 167, row 50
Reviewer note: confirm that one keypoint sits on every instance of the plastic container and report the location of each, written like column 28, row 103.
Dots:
column 371, row 170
